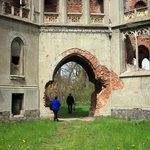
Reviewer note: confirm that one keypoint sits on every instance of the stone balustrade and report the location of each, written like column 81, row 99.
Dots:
column 73, row 18
column 141, row 12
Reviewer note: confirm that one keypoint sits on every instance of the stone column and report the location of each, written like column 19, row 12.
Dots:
column 63, row 11
column 122, row 53
column 86, row 11
column 41, row 10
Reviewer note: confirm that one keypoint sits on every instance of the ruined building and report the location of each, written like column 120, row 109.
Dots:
column 110, row 39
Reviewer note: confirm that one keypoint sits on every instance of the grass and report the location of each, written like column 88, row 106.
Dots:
column 79, row 112
column 101, row 134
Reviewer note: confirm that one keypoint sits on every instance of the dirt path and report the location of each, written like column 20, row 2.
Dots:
column 82, row 119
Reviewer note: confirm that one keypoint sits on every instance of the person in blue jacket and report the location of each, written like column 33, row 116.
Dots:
column 55, row 107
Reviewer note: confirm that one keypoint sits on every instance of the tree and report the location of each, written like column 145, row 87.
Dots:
column 72, row 78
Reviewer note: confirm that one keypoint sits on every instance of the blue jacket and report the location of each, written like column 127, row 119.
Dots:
column 56, row 104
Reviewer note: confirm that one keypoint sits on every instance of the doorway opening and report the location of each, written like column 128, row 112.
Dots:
column 17, row 104
column 72, row 78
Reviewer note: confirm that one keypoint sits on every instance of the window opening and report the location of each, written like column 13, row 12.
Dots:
column 96, row 6
column 17, row 57
column 139, row 4
column 17, row 104
column 137, row 50
column 51, row 6
column 145, row 64
column 15, row 60
column 74, row 6
column 143, row 57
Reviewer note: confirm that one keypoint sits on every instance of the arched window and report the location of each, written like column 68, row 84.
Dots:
column 137, row 49
column 145, row 64
column 143, row 53
column 17, row 57
column 140, row 4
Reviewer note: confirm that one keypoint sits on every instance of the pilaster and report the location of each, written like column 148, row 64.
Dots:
column 41, row 10
column 114, row 11
column 86, row 11
column 63, row 11
column 107, row 11
column 121, row 11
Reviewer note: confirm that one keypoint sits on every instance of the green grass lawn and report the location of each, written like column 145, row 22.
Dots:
column 101, row 134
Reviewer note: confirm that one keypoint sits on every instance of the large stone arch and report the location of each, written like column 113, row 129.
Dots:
column 104, row 80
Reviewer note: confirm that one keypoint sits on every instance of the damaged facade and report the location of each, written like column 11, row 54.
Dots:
column 111, row 43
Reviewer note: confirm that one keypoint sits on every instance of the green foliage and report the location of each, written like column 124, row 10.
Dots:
column 72, row 78
column 82, row 95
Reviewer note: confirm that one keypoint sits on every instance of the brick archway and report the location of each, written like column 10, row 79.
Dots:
column 104, row 80
column 134, row 2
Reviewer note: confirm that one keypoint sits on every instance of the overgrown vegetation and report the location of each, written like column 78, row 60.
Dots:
column 105, row 134
column 72, row 78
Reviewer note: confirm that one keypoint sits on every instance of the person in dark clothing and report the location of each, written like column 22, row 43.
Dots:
column 70, row 102
column 55, row 105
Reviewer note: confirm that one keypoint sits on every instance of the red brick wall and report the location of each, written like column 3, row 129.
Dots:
column 74, row 6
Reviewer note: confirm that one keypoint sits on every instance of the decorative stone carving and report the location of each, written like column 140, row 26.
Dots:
column 136, row 33
column 51, row 18
column 97, row 19
column 129, row 15
column 135, row 13
column 74, row 18
column 79, row 30
column 142, row 13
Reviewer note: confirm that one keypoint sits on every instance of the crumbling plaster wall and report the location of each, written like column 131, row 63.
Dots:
column 134, row 96
column 29, row 84
column 136, row 91
column 29, row 35
column 55, row 46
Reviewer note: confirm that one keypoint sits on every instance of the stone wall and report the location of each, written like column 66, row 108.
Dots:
column 133, row 114
column 28, row 115
column 4, row 116
column 22, row 84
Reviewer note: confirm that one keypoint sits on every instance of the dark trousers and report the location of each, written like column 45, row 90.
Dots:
column 55, row 115
column 69, row 109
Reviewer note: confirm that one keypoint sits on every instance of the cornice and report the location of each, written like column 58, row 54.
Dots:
column 132, row 25
column 74, row 30
column 18, row 20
